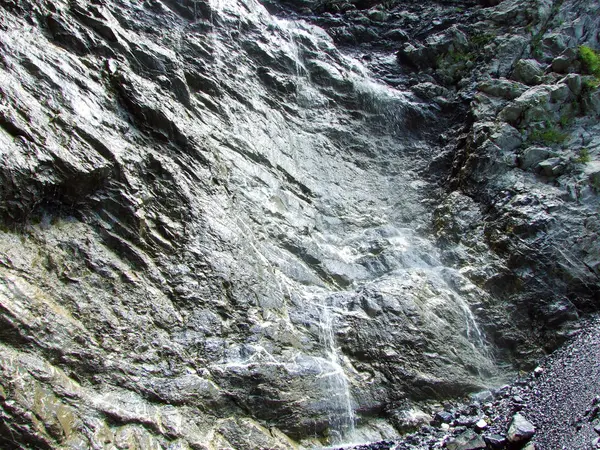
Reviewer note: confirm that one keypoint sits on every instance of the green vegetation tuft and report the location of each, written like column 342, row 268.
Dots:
column 536, row 44
column 590, row 60
column 548, row 135
column 565, row 121
column 584, row 156
column 481, row 40
column 591, row 84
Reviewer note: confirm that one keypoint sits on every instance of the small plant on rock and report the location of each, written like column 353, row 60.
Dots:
column 481, row 40
column 548, row 135
column 590, row 60
column 584, row 156
column 591, row 84
column 565, row 121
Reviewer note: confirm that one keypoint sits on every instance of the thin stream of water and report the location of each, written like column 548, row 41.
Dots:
column 341, row 418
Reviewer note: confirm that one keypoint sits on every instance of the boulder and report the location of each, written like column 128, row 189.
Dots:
column 532, row 156
column 429, row 90
column 507, row 89
column 528, row 71
column 483, row 396
column 573, row 80
column 443, row 417
column 552, row 167
column 561, row 64
column 377, row 15
column 507, row 138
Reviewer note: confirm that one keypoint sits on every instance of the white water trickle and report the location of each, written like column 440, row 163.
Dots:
column 474, row 333
column 289, row 36
column 341, row 414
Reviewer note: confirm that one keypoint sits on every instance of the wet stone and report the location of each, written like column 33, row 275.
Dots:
column 483, row 397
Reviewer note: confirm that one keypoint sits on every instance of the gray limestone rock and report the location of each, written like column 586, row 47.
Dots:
column 574, row 82
column 495, row 441
column 429, row 90
column 507, row 138
column 532, row 156
column 561, row 64
column 507, row 89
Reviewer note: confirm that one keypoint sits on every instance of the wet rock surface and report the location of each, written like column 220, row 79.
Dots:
column 224, row 228
column 524, row 158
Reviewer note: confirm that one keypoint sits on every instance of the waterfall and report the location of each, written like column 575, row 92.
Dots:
column 289, row 44
column 341, row 414
column 474, row 333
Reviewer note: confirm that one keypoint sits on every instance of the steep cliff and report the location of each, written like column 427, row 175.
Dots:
column 225, row 226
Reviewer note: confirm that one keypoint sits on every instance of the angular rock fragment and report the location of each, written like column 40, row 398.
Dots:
column 469, row 440
column 520, row 429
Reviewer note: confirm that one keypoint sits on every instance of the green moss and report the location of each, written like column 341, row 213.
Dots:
column 590, row 60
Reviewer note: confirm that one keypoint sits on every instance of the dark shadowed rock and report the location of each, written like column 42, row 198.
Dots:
column 495, row 441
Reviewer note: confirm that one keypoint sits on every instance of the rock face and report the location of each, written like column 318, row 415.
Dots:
column 221, row 231
column 210, row 230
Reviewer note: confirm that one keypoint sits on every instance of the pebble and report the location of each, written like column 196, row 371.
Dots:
column 481, row 424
